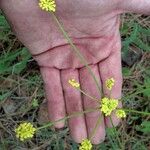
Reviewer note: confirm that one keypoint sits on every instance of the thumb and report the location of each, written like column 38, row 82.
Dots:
column 136, row 6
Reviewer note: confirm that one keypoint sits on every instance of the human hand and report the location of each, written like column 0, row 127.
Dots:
column 94, row 28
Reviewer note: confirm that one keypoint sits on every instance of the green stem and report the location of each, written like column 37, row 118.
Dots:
column 81, row 57
column 138, row 112
column 95, row 129
column 91, row 97
column 68, row 117
column 135, row 93
column 115, row 131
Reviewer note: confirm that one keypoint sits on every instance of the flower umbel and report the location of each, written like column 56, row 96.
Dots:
column 25, row 131
column 85, row 145
column 108, row 105
column 74, row 83
column 120, row 113
column 110, row 83
column 48, row 5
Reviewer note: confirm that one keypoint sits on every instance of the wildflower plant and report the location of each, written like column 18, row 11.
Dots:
column 120, row 113
column 74, row 83
column 85, row 145
column 48, row 5
column 110, row 83
column 25, row 131
column 107, row 105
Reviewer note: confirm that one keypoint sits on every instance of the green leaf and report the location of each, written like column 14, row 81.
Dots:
column 126, row 71
column 3, row 23
column 9, row 61
column 144, row 127
column 141, row 44
column 35, row 103
column 146, row 92
column 4, row 96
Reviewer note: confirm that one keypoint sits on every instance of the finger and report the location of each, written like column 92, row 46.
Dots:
column 54, row 94
column 74, row 104
column 111, row 67
column 88, row 85
column 136, row 6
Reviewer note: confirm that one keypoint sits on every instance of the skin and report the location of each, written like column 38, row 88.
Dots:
column 94, row 28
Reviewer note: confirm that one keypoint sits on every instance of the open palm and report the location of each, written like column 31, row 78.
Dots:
column 93, row 27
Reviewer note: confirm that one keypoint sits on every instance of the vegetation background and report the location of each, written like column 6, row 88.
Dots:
column 22, row 96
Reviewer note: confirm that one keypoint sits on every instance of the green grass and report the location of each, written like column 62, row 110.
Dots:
column 21, row 84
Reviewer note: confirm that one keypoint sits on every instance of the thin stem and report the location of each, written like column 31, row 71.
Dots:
column 91, row 97
column 116, row 133
column 77, row 51
column 135, row 93
column 68, row 117
column 138, row 112
column 96, row 126
column 113, row 143
column 110, row 93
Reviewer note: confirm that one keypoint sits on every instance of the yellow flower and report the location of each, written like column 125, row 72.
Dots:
column 108, row 105
column 48, row 5
column 110, row 83
column 120, row 113
column 74, row 83
column 25, row 131
column 85, row 145
column 113, row 103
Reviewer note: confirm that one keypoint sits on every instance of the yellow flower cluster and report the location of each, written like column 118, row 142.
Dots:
column 85, row 145
column 74, row 83
column 108, row 105
column 110, row 83
column 25, row 131
column 120, row 113
column 48, row 5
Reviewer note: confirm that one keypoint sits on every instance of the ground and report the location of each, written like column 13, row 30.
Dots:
column 22, row 98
